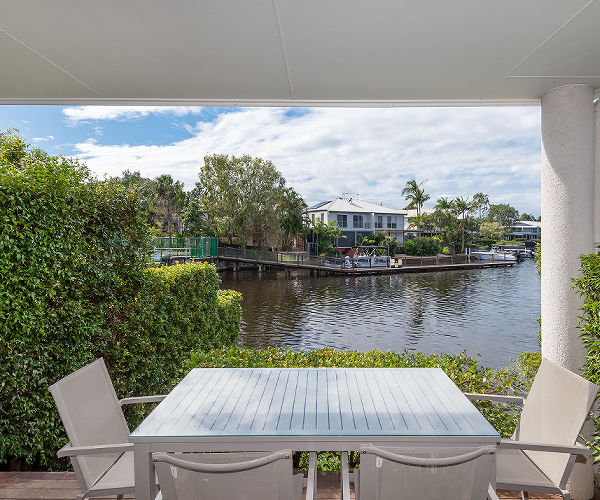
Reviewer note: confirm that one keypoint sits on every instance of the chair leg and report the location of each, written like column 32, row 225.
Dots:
column 345, row 476
column 565, row 494
column 311, row 483
column 524, row 495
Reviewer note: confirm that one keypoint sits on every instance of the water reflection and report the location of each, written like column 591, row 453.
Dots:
column 490, row 311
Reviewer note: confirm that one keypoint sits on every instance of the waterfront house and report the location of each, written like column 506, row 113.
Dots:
column 525, row 230
column 359, row 217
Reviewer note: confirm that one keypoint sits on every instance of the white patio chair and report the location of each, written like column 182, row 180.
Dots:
column 98, row 434
column 456, row 473
column 232, row 476
column 541, row 455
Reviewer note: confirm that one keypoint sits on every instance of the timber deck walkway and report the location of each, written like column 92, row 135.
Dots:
column 63, row 486
column 337, row 265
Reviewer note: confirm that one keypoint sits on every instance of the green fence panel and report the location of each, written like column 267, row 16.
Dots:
column 200, row 247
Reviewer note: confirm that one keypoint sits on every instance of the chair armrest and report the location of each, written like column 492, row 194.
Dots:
column 495, row 397
column 576, row 449
column 223, row 468
column 142, row 399
column 71, row 451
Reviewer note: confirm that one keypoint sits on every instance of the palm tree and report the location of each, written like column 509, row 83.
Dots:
column 415, row 195
column 462, row 206
column 444, row 203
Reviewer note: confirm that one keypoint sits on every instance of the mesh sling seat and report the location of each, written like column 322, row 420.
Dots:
column 231, row 476
column 542, row 453
column 98, row 434
column 451, row 473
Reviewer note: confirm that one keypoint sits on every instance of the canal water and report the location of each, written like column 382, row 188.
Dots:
column 488, row 312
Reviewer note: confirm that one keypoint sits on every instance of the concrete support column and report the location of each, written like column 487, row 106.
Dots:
column 567, row 216
column 568, row 231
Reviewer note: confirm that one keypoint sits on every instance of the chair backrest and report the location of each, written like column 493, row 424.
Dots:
column 91, row 414
column 209, row 476
column 554, row 412
column 455, row 473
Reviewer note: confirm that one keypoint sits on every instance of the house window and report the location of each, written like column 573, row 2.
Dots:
column 312, row 218
column 357, row 221
column 322, row 217
column 379, row 222
column 342, row 220
column 391, row 222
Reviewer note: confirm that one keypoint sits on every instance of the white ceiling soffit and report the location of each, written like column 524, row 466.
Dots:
column 295, row 52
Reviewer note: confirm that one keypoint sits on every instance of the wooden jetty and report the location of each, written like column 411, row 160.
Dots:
column 333, row 265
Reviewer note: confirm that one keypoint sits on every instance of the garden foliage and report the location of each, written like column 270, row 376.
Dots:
column 75, row 284
column 588, row 287
column 422, row 246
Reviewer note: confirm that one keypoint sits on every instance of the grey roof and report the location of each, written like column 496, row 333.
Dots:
column 352, row 205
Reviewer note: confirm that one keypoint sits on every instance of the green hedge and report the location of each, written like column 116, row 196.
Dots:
column 75, row 285
column 464, row 370
column 588, row 287
column 180, row 308
column 422, row 246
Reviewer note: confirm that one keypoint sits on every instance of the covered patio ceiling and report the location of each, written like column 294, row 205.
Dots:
column 290, row 52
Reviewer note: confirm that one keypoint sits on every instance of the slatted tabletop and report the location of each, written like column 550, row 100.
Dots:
column 228, row 402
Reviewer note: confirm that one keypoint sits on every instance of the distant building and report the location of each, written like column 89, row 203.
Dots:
column 525, row 230
column 358, row 217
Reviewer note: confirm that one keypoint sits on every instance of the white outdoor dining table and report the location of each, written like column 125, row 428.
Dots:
column 306, row 409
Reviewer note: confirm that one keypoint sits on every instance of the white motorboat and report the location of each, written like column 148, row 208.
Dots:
column 494, row 256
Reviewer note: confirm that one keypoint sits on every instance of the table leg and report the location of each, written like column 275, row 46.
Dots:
column 145, row 482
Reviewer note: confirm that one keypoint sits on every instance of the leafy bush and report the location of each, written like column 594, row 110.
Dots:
column 464, row 370
column 383, row 240
column 75, row 285
column 446, row 251
column 588, row 287
column 179, row 308
column 422, row 246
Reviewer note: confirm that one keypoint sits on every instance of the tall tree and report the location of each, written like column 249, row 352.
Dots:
column 146, row 189
column 462, row 207
column 444, row 203
column 170, row 199
column 292, row 221
column 526, row 216
column 504, row 214
column 415, row 195
column 245, row 197
column 481, row 203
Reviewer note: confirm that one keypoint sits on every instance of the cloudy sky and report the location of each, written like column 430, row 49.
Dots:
column 322, row 152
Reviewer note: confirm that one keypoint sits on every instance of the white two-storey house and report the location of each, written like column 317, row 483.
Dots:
column 358, row 217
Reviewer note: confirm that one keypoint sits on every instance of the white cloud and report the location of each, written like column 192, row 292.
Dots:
column 324, row 152
column 85, row 114
column 43, row 139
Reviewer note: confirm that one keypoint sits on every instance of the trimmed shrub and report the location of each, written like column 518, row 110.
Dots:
column 75, row 285
column 422, row 246
column 179, row 308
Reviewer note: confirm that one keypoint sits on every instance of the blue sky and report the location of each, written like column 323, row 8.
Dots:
column 322, row 152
